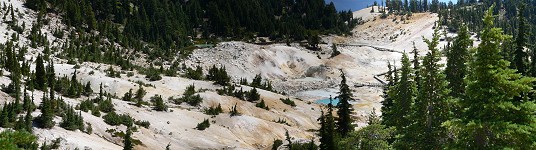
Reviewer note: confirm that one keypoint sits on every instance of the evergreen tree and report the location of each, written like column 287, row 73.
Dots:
column 101, row 93
column 40, row 74
column 128, row 96
column 257, row 81
column 334, row 52
column 158, row 103
column 127, row 140
column 431, row 106
column 51, row 76
column 344, row 121
column 253, row 95
column 140, row 93
column 73, row 88
column 520, row 56
column 87, row 89
column 47, row 114
column 491, row 118
column 457, row 58
column 416, row 65
column 288, row 138
column 327, row 131
column 403, row 100
column 10, row 139
column 72, row 121
column 389, row 91
column 28, row 121
column 374, row 136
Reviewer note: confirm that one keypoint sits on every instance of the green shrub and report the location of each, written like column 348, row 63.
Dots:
column 214, row 110
column 288, row 102
column 203, row 125
column 262, row 105
column 143, row 123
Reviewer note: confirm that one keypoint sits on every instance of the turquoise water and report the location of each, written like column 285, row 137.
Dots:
column 326, row 101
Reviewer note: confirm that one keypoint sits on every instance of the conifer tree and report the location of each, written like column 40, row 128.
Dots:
column 416, row 65
column 405, row 95
column 127, row 140
column 40, row 73
column 87, row 89
column 19, row 124
column 374, row 136
column 491, row 118
column 253, row 95
column 457, row 58
column 431, row 107
column 158, row 103
column 388, row 94
column 47, row 114
column 128, row 96
column 28, row 120
column 101, row 93
column 327, row 131
column 288, row 138
column 344, row 121
column 51, row 76
column 520, row 56
column 73, row 88
column 334, row 52
column 140, row 93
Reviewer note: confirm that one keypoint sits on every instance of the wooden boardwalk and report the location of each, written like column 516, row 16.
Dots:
column 374, row 47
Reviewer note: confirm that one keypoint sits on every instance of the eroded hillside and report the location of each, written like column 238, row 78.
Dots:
column 303, row 75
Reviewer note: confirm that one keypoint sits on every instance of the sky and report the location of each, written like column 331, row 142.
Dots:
column 360, row 4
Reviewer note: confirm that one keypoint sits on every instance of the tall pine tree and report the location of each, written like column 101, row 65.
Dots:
column 431, row 106
column 40, row 74
column 520, row 56
column 491, row 118
column 344, row 121
column 327, row 131
column 457, row 58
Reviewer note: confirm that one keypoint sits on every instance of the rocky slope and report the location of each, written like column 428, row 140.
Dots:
column 303, row 74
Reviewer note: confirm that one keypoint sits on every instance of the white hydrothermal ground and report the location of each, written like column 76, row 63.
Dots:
column 303, row 74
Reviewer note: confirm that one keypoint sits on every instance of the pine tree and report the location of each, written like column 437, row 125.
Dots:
column 158, row 103
column 288, row 138
column 520, row 56
column 457, row 58
column 416, row 65
column 374, row 136
column 40, row 73
column 87, row 89
column 334, row 52
column 73, row 88
column 90, row 16
column 140, row 93
column 327, row 131
column 51, row 76
column 253, row 95
column 403, row 98
column 344, row 121
column 47, row 114
column 127, row 140
column 128, row 96
column 101, row 93
column 431, row 107
column 388, row 94
column 491, row 118
column 28, row 121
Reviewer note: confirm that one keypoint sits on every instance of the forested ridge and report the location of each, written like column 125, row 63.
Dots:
column 172, row 24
